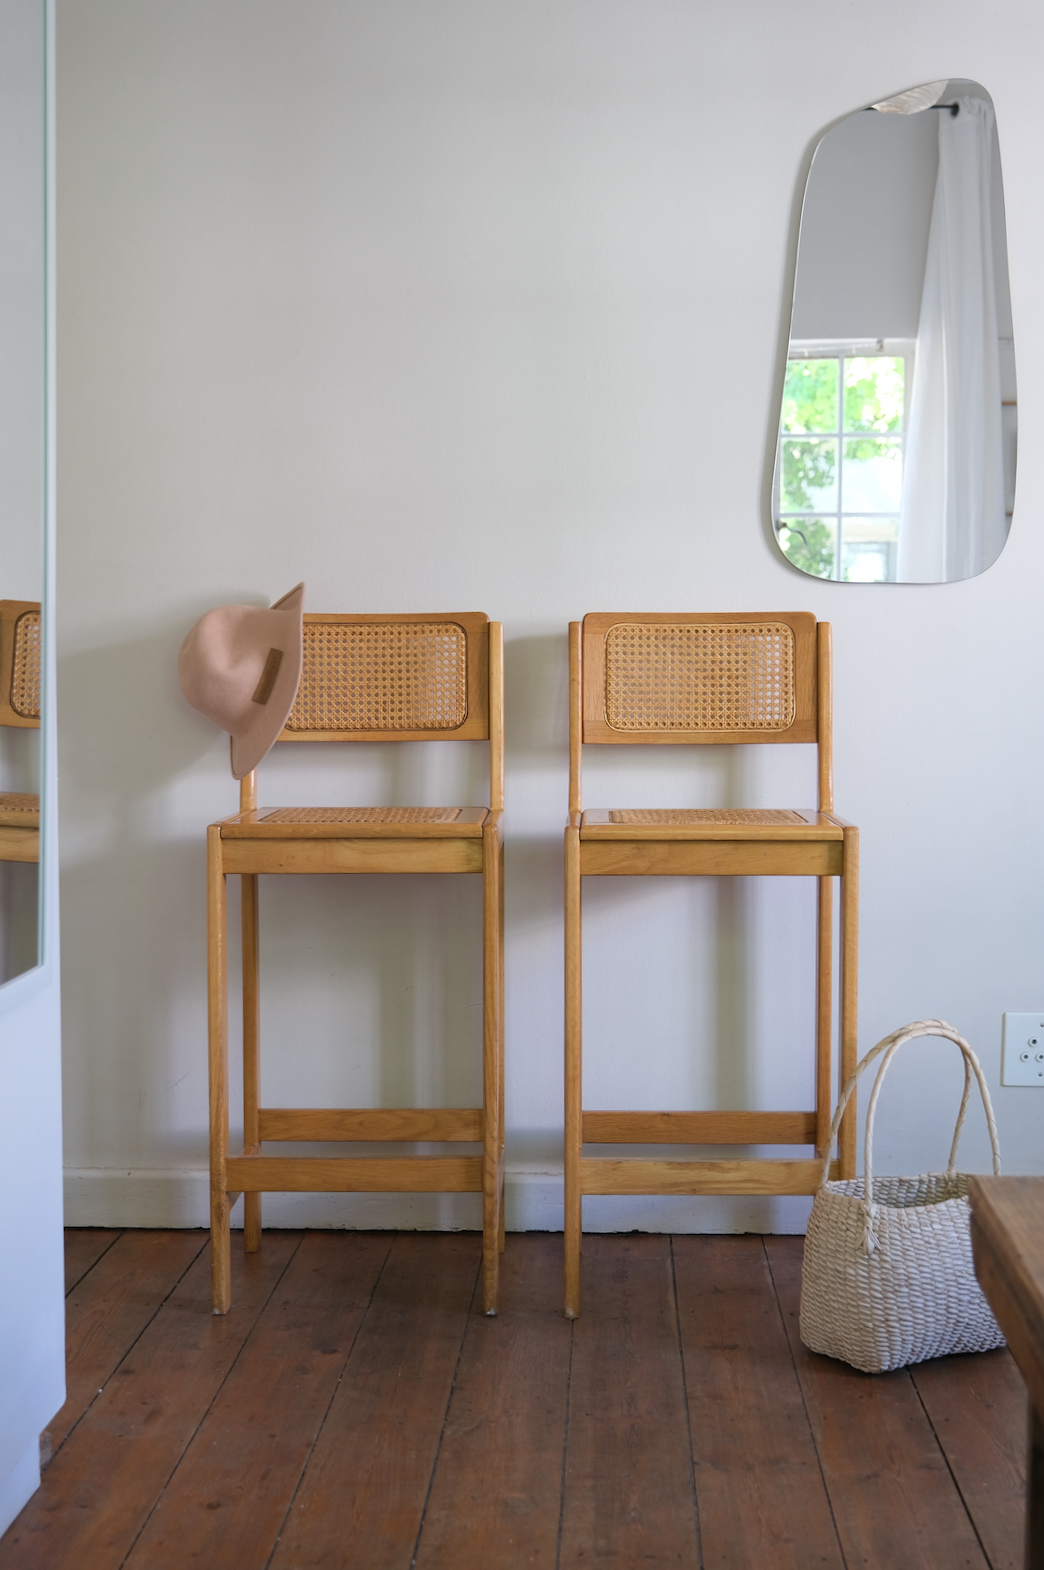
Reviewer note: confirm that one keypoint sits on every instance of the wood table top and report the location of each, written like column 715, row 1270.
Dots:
column 1008, row 1244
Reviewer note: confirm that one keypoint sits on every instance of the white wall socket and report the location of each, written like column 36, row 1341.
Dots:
column 1022, row 1049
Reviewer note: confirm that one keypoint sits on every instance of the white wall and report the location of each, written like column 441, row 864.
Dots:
column 484, row 305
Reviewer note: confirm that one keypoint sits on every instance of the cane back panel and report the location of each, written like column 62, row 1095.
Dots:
column 392, row 678
column 20, row 663
column 739, row 678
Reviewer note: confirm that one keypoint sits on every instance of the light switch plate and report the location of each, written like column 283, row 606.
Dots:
column 1022, row 1049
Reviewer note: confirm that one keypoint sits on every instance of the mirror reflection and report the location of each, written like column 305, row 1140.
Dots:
column 895, row 459
column 22, row 473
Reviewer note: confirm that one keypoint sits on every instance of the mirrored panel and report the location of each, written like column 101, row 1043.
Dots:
column 895, row 459
column 22, row 472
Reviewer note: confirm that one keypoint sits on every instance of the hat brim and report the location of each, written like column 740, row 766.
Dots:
column 251, row 743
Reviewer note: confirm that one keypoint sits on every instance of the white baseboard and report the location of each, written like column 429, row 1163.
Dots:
column 178, row 1197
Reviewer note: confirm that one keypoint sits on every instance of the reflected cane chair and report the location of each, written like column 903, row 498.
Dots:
column 705, row 679
column 20, row 707
column 366, row 678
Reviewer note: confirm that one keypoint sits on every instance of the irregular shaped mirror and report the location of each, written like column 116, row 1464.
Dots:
column 22, row 472
column 895, row 461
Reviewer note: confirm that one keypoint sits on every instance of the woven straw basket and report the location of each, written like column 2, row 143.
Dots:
column 888, row 1276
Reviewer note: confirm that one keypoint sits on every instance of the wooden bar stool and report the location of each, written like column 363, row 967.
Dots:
column 20, row 707
column 366, row 678
column 704, row 679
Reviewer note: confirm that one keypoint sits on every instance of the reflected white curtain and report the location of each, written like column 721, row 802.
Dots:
column 952, row 523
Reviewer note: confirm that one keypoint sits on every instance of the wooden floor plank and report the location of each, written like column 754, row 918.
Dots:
column 759, row 1488
column 84, row 1246
column 894, row 1501
column 497, row 1489
column 227, row 1500
column 628, row 1497
column 977, row 1406
column 100, row 1488
column 107, row 1312
column 362, row 1499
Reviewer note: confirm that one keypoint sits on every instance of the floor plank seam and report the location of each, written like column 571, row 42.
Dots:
column 688, row 1419
column 565, row 1444
column 159, row 1306
column 203, row 1415
column 333, row 1397
column 953, row 1476
column 71, row 1288
column 804, row 1404
column 445, row 1416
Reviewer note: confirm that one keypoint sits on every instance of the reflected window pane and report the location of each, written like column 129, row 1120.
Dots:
column 810, row 395
column 874, row 393
column 868, row 550
column 810, row 544
column 873, row 474
column 809, row 475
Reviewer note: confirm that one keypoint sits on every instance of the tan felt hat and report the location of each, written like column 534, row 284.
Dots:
column 241, row 667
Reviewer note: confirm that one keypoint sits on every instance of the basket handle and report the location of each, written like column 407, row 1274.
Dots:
column 888, row 1048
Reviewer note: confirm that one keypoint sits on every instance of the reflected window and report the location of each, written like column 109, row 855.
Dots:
column 839, row 471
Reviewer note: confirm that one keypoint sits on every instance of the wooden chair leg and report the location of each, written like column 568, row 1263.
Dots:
column 500, row 1039
column 573, row 1098
column 824, row 1009
column 251, row 1051
column 849, row 994
column 491, row 1086
column 217, row 1009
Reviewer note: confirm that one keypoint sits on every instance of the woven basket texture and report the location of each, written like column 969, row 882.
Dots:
column 382, row 676
column 362, row 815
column 25, row 666
column 888, row 1277
column 915, row 1296
column 726, row 815
column 711, row 677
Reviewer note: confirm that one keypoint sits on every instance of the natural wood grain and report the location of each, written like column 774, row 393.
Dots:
column 362, row 1499
column 849, row 996
column 497, row 1487
column 575, row 718
column 19, row 844
column 977, row 1407
column 759, row 1488
column 101, row 1490
column 217, row 1070
column 1008, row 1244
column 492, row 1088
column 824, row 1010
column 641, row 1175
column 699, row 1128
column 371, row 1123
column 496, row 716
column 573, row 1073
column 316, row 855
column 84, row 1246
column 355, row 1174
column 251, row 1047
column 628, row 1478
column 110, row 1307
column 825, row 714
column 890, row 1489
column 662, row 858
column 226, row 1503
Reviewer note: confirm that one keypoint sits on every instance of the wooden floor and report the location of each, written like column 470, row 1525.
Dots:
column 357, row 1409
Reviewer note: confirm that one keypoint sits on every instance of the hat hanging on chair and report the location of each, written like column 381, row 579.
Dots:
column 241, row 667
